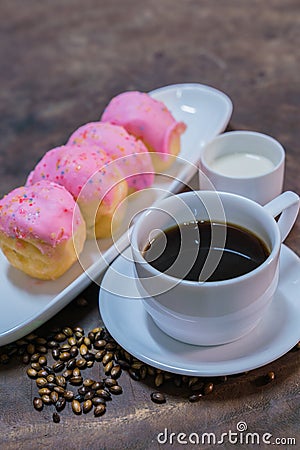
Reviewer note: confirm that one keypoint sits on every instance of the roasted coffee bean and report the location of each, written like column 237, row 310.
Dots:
column 97, row 330
column 36, row 366
column 72, row 341
column 159, row 379
column 134, row 374
column 42, row 360
column 43, row 373
column 60, row 337
column 54, row 396
column 116, row 390
column 60, row 404
column 99, row 410
column 158, row 397
column 99, row 355
column 58, row 366
column 60, row 381
column 48, row 369
column 67, row 331
column 56, row 417
column 124, row 364
column 98, row 385
column 83, row 390
column 91, row 336
column 103, row 394
column 89, row 395
column 30, row 337
column 30, row 349
column 46, row 399
column 41, row 349
column 89, row 364
column 88, row 382
column 79, row 398
column 59, row 389
column 41, row 382
column 78, row 330
column 35, row 357
column 83, row 350
column 38, row 403
column 101, row 343
column 87, row 342
column 208, row 388
column 52, row 344
column 168, row 376
column 41, row 341
column 128, row 357
column 64, row 356
column 69, row 395
column 32, row 373
column 65, row 347
column 110, row 382
column 76, row 381
column 89, row 357
column 81, row 363
column 76, row 407
column 107, row 368
column 73, row 351
column 195, row 397
column 151, row 371
column 21, row 342
column 115, row 372
column 55, row 353
column 87, row 406
column 136, row 365
column 25, row 358
column 143, row 372
column 270, row 376
column 76, row 372
column 98, row 401
column 51, row 386
column 44, row 391
column 71, row 364
column 67, row 374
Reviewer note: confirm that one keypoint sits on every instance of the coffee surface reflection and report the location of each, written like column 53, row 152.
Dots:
column 183, row 250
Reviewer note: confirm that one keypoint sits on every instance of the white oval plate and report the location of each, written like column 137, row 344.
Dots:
column 27, row 303
column 126, row 319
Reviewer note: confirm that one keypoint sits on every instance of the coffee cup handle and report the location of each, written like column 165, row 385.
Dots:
column 287, row 206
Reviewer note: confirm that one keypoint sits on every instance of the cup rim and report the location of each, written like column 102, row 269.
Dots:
column 273, row 252
column 222, row 136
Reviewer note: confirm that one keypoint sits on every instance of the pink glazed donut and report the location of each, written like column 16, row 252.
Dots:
column 149, row 120
column 42, row 231
column 131, row 155
column 94, row 180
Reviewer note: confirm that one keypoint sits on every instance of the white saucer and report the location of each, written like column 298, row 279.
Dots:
column 130, row 325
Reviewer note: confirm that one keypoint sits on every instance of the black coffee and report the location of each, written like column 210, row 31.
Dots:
column 220, row 251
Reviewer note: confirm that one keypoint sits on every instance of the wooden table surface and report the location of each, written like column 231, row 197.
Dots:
column 61, row 62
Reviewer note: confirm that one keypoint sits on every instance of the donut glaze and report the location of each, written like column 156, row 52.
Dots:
column 84, row 171
column 44, row 211
column 94, row 180
column 131, row 154
column 146, row 118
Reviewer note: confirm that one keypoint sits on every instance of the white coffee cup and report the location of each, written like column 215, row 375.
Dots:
column 212, row 312
column 245, row 163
